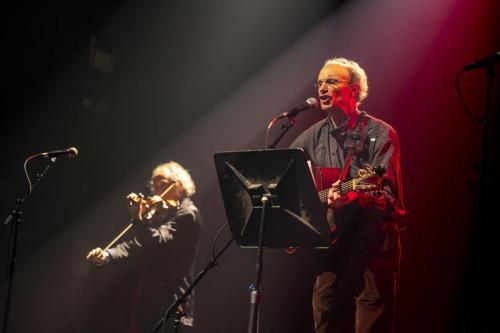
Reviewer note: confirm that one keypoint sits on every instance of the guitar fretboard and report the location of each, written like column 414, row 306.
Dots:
column 344, row 187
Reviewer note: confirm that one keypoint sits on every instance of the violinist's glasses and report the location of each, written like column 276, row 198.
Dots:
column 160, row 183
column 330, row 82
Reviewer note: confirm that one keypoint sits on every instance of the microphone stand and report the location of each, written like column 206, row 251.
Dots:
column 16, row 217
column 174, row 307
column 480, row 228
column 484, row 158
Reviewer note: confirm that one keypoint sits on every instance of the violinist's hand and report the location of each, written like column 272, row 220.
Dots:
column 97, row 256
column 134, row 205
column 156, row 201
column 158, row 208
column 337, row 200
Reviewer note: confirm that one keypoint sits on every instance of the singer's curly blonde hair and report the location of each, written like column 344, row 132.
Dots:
column 358, row 76
column 175, row 172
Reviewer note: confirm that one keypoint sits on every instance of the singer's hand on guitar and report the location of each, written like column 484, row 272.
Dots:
column 97, row 256
column 337, row 200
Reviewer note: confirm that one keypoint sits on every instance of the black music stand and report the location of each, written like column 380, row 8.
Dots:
column 270, row 201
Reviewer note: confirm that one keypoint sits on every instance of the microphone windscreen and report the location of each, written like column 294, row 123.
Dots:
column 73, row 152
column 312, row 102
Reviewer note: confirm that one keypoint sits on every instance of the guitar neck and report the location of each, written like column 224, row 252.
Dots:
column 344, row 187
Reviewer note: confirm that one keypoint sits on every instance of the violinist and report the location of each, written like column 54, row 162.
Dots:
column 160, row 244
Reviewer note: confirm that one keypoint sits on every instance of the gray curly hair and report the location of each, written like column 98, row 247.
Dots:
column 175, row 172
column 358, row 76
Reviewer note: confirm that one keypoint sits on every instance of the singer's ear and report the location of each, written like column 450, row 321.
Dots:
column 355, row 89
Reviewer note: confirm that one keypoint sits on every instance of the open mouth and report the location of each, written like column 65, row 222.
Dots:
column 325, row 98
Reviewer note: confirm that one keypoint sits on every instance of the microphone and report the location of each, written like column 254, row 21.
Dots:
column 70, row 152
column 487, row 61
column 311, row 103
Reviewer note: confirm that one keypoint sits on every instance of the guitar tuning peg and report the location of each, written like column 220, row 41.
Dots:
column 361, row 172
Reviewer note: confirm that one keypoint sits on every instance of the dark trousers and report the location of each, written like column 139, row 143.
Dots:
column 355, row 297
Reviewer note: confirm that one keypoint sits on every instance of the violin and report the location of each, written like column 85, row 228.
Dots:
column 144, row 209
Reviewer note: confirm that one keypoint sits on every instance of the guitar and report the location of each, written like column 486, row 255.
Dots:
column 367, row 179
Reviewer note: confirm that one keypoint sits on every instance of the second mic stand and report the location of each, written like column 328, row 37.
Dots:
column 482, row 204
column 16, row 217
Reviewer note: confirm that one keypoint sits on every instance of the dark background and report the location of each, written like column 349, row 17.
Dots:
column 135, row 83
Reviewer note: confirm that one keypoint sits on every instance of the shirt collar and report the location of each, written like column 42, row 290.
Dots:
column 347, row 124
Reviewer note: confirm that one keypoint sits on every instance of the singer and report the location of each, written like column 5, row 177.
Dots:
column 159, row 250
column 356, row 278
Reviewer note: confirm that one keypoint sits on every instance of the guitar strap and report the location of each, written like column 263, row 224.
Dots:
column 355, row 142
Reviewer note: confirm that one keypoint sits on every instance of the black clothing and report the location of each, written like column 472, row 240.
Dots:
column 354, row 281
column 159, row 258
column 324, row 145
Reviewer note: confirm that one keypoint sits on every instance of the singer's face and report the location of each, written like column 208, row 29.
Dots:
column 335, row 89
